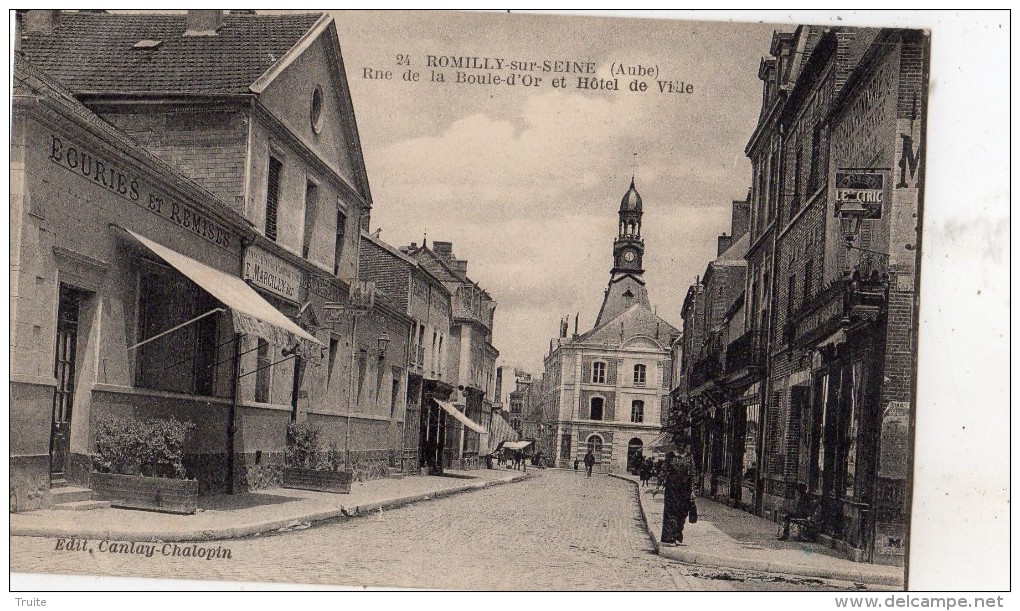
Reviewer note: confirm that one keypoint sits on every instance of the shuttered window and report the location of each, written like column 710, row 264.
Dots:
column 273, row 196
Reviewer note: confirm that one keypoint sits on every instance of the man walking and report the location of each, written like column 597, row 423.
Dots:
column 589, row 462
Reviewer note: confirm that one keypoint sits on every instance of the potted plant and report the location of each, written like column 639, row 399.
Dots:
column 139, row 464
column 306, row 469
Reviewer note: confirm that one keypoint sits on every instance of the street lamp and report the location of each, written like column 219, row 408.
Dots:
column 850, row 216
column 382, row 342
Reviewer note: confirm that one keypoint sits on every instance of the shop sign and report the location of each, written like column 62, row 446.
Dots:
column 864, row 188
column 266, row 271
column 324, row 286
column 121, row 181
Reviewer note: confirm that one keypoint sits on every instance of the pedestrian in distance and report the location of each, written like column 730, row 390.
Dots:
column 589, row 462
column 577, row 464
column 678, row 493
column 646, row 471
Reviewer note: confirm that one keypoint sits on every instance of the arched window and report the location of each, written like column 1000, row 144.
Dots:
column 597, row 405
column 595, row 446
column 637, row 411
column 640, row 375
column 598, row 372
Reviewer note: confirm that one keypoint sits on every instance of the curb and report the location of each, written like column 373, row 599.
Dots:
column 787, row 568
column 254, row 528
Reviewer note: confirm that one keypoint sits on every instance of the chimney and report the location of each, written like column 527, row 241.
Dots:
column 725, row 242
column 443, row 250
column 39, row 22
column 460, row 265
column 203, row 22
column 741, row 217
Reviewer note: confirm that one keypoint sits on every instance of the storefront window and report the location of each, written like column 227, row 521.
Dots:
column 184, row 360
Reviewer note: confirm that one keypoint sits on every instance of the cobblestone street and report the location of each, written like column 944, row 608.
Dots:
column 556, row 531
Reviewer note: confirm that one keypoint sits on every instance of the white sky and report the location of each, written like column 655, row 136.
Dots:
column 526, row 182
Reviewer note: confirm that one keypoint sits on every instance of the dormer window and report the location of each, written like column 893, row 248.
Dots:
column 316, row 110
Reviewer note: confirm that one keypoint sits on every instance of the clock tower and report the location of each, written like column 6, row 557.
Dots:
column 628, row 247
column 626, row 284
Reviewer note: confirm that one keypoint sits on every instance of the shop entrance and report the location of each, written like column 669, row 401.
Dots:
column 64, row 370
column 433, row 435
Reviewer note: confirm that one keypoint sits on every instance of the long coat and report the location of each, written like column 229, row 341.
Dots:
column 677, row 487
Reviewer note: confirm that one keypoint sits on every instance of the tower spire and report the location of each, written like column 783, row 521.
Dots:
column 626, row 283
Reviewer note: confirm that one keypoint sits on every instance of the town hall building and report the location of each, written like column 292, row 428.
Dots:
column 610, row 385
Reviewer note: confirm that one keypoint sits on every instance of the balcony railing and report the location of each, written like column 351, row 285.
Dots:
column 745, row 352
column 705, row 369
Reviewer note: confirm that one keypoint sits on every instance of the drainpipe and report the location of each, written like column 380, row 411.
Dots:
column 235, row 399
column 232, row 416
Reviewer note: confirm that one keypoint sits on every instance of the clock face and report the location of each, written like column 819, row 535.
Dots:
column 628, row 256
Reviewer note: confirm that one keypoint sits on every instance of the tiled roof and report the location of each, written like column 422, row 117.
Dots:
column 94, row 53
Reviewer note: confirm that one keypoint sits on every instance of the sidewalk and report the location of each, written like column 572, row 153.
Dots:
column 731, row 538
column 231, row 516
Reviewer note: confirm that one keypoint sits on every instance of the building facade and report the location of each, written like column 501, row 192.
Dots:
column 470, row 355
column 608, row 389
column 715, row 400
column 827, row 345
column 427, row 301
column 236, row 218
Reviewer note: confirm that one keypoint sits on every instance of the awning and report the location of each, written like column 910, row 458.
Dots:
column 516, row 445
column 663, row 442
column 251, row 313
column 451, row 409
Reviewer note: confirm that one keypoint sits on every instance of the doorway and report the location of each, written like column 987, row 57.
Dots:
column 634, row 455
column 64, row 371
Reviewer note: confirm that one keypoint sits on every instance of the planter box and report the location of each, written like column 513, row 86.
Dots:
column 140, row 492
column 338, row 482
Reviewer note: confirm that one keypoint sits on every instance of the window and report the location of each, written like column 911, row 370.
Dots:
column 791, row 296
column 435, row 356
column 273, row 196
column 316, row 110
column 816, row 166
column 640, row 375
column 338, row 248
column 807, row 280
column 184, row 360
column 421, row 346
column 362, row 372
column 598, row 372
column 439, row 365
column 597, row 405
column 394, row 393
column 797, row 166
column 380, row 363
column 311, row 210
column 637, row 411
column 595, row 446
column 262, row 364
column 334, row 347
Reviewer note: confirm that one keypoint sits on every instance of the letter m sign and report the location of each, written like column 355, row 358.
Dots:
column 909, row 161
